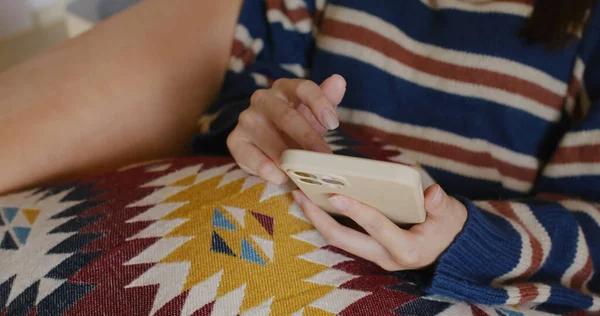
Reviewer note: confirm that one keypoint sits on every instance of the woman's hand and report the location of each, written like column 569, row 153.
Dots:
column 294, row 113
column 387, row 245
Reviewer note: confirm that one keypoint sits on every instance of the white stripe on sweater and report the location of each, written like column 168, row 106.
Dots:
column 242, row 34
column 579, row 69
column 260, row 79
column 583, row 207
column 450, row 56
column 595, row 308
column 514, row 294
column 582, row 138
column 294, row 4
column 581, row 256
column 577, row 169
column 526, row 251
column 296, row 69
column 504, row 7
column 375, row 58
column 276, row 16
column 534, row 226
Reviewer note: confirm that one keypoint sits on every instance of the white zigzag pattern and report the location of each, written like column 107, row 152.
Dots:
column 38, row 244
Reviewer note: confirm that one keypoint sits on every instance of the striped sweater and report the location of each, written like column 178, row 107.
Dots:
column 509, row 128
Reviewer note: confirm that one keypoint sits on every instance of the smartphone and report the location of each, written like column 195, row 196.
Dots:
column 395, row 190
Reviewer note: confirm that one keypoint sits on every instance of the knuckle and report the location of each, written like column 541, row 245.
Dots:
column 289, row 115
column 321, row 99
column 247, row 169
column 410, row 257
column 388, row 265
column 261, row 163
column 312, row 137
column 246, row 119
column 305, row 87
column 372, row 222
column 277, row 84
column 331, row 239
column 258, row 98
column 230, row 141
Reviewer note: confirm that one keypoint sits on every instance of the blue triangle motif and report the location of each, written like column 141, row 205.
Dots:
column 22, row 233
column 220, row 221
column 10, row 213
column 219, row 245
column 249, row 254
column 508, row 312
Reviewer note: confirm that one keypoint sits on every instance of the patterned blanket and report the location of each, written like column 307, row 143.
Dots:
column 194, row 236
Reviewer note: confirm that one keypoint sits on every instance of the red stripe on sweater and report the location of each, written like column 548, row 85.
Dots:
column 480, row 159
column 574, row 87
column 528, row 292
column 295, row 15
column 376, row 41
column 537, row 252
column 582, row 275
column 246, row 54
column 238, row 48
column 574, row 154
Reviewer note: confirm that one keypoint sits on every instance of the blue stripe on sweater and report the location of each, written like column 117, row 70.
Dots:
column 557, row 221
column 591, row 230
column 455, row 184
column 455, row 29
column 389, row 97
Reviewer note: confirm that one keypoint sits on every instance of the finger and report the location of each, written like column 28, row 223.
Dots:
column 437, row 202
column 401, row 244
column 289, row 121
column 443, row 212
column 343, row 237
column 253, row 160
column 263, row 135
column 334, row 89
column 310, row 94
column 312, row 120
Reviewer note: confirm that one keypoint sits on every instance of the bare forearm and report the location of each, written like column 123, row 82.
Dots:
column 132, row 88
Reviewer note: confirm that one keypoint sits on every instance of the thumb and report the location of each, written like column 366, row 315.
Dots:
column 436, row 201
column 334, row 89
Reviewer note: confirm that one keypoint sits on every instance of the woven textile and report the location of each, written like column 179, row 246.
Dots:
column 194, row 236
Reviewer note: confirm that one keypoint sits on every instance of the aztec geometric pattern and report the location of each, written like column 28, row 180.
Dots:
column 195, row 236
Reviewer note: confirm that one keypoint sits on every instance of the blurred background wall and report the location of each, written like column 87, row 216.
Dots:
column 28, row 27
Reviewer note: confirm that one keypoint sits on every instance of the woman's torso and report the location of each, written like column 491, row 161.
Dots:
column 451, row 84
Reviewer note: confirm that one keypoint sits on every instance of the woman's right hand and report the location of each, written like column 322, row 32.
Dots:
column 293, row 113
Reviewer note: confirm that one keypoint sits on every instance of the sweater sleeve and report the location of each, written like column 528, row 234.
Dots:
column 273, row 40
column 544, row 250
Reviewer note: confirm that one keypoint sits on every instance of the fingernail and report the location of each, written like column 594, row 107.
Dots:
column 436, row 200
column 280, row 177
column 338, row 202
column 342, row 81
column 330, row 119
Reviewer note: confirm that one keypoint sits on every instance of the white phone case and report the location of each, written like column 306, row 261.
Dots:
column 393, row 189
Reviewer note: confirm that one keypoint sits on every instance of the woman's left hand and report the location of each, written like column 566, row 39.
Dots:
column 387, row 245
